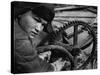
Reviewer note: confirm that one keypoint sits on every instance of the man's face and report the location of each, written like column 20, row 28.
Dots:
column 32, row 23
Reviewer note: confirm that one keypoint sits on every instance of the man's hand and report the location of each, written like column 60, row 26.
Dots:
column 58, row 65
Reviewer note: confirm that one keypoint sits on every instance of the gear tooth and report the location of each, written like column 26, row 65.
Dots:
column 69, row 23
column 77, row 21
column 64, row 26
column 61, row 28
column 74, row 21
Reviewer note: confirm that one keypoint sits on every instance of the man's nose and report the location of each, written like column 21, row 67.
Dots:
column 39, row 27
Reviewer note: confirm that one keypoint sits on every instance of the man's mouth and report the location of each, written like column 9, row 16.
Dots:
column 34, row 32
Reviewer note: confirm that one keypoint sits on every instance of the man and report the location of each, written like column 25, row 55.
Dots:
column 28, row 32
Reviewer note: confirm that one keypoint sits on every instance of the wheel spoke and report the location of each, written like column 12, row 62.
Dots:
column 75, row 37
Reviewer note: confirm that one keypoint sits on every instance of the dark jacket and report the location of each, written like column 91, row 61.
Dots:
column 26, row 59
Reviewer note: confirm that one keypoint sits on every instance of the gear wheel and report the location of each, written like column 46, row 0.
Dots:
column 91, row 31
column 54, row 35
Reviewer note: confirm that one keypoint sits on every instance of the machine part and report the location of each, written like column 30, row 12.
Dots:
column 60, row 47
column 57, row 52
column 91, row 31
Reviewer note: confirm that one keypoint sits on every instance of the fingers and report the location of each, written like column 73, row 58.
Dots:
column 59, row 64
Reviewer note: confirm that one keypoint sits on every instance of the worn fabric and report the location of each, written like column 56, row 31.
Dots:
column 26, row 59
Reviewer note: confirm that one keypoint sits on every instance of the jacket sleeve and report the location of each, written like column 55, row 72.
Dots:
column 26, row 59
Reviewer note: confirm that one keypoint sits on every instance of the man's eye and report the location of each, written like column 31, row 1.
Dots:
column 38, row 20
column 43, row 24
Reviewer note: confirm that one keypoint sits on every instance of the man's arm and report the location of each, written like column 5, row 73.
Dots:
column 27, row 60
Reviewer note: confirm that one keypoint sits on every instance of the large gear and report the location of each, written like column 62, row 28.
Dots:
column 54, row 35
